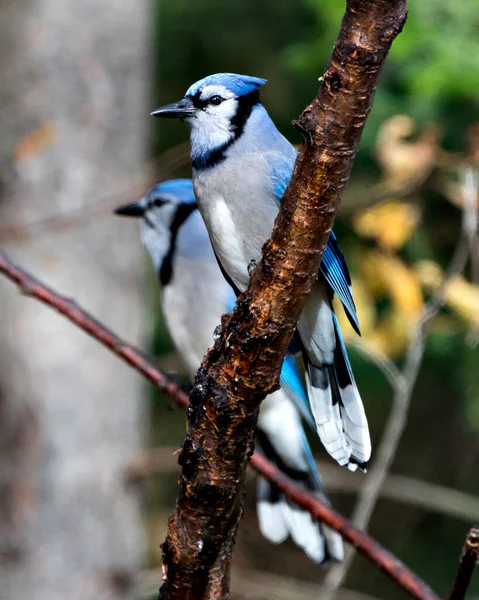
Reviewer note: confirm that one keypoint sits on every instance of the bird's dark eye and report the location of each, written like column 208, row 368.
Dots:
column 215, row 100
column 158, row 202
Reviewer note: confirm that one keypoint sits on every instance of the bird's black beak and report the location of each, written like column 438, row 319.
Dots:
column 130, row 210
column 179, row 110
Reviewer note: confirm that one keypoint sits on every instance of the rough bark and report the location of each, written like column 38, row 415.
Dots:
column 245, row 363
column 72, row 90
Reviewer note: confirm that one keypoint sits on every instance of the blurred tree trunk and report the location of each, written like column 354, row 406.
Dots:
column 73, row 106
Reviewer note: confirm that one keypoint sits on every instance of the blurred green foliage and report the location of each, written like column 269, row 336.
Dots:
column 430, row 72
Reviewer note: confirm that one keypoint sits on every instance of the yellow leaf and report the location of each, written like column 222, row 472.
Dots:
column 460, row 295
column 391, row 336
column 390, row 223
column 401, row 158
column 387, row 275
column 371, row 274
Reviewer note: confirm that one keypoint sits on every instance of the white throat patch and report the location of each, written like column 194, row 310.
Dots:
column 211, row 127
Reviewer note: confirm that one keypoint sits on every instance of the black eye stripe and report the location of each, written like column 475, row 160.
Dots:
column 199, row 103
column 182, row 213
column 157, row 202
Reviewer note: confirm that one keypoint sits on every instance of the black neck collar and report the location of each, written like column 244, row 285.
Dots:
column 182, row 213
column 210, row 159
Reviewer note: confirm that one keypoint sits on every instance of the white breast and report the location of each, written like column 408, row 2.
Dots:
column 238, row 206
column 227, row 241
column 193, row 303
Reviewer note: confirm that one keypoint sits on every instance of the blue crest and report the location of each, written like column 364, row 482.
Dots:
column 181, row 189
column 240, row 85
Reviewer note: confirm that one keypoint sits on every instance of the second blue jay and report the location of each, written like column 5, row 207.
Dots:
column 241, row 166
column 194, row 296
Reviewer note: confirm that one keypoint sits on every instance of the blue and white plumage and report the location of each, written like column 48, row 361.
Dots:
column 241, row 166
column 194, row 296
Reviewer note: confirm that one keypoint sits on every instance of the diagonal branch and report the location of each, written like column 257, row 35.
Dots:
column 406, row 490
column 29, row 286
column 244, row 365
column 354, row 536
column 361, row 541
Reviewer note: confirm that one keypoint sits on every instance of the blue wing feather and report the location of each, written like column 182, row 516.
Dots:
column 292, row 382
column 230, row 300
column 333, row 266
column 335, row 270
column 312, row 465
column 280, row 171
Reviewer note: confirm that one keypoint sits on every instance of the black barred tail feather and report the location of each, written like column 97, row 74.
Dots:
column 280, row 518
column 269, row 502
column 338, row 409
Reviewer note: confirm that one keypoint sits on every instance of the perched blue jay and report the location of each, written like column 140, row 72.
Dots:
column 194, row 296
column 241, row 166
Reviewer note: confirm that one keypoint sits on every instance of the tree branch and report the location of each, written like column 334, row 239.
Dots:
column 398, row 488
column 354, row 536
column 29, row 286
column 244, row 365
column 469, row 558
column 362, row 542
column 255, row 585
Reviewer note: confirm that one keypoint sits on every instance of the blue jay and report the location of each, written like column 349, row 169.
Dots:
column 241, row 166
column 194, row 296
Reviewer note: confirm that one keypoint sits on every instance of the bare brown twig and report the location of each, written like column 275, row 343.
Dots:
column 366, row 545
column 469, row 558
column 31, row 287
column 408, row 490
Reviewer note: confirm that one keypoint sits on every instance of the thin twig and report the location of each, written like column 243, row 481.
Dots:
column 415, row 492
column 385, row 364
column 388, row 563
column 29, row 286
column 398, row 488
column 354, row 536
column 402, row 394
column 469, row 558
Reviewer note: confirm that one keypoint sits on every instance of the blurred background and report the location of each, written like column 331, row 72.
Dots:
column 83, row 501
